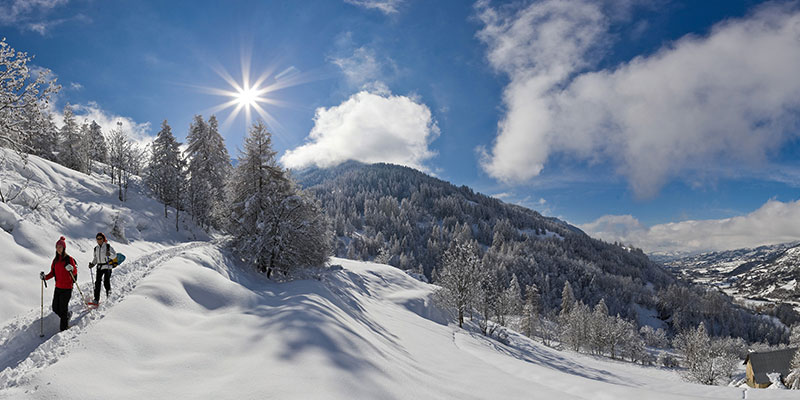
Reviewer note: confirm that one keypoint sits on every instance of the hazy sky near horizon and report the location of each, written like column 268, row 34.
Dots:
column 669, row 125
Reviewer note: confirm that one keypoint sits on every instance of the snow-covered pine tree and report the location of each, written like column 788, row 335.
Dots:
column 300, row 230
column 486, row 298
column 575, row 326
column 618, row 330
column 274, row 224
column 85, row 148
column 166, row 170
column 98, row 149
column 600, row 327
column 531, row 311
column 706, row 360
column 69, row 150
column 512, row 299
column 20, row 95
column 39, row 135
column 567, row 299
column 119, row 153
column 208, row 166
column 458, row 277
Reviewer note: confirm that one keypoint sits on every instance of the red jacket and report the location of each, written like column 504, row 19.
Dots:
column 57, row 269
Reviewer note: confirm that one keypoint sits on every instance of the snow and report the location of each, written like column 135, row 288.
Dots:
column 649, row 317
column 547, row 234
column 186, row 321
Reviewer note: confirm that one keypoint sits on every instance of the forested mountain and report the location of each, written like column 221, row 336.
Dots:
column 406, row 218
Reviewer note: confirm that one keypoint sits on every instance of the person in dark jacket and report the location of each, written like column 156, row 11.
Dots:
column 103, row 254
column 63, row 269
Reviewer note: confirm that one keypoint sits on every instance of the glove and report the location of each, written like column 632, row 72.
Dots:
column 91, row 265
column 68, row 267
column 41, row 275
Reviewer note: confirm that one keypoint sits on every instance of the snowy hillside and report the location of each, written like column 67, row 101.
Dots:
column 186, row 321
column 50, row 200
column 759, row 275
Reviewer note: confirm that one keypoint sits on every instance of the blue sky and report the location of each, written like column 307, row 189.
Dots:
column 671, row 125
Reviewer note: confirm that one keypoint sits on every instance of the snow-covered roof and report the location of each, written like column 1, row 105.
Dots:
column 770, row 361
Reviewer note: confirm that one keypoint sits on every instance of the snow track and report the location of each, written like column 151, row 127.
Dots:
column 24, row 353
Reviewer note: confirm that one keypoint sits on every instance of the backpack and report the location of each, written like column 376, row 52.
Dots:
column 117, row 260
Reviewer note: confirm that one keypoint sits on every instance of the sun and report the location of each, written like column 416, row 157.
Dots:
column 247, row 96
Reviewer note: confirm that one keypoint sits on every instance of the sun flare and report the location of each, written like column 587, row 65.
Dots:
column 245, row 95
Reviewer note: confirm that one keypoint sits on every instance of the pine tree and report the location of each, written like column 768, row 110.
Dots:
column 707, row 361
column 567, row 299
column 274, row 224
column 600, row 328
column 209, row 166
column 458, row 278
column 166, row 172
column 98, row 149
column 84, row 148
column 531, row 310
column 508, row 301
column 119, row 157
column 487, row 297
column 70, row 147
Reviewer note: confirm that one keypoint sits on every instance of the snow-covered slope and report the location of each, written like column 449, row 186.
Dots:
column 197, row 327
column 185, row 321
column 55, row 201
column 766, row 273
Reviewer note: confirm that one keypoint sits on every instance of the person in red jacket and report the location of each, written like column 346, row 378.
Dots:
column 63, row 269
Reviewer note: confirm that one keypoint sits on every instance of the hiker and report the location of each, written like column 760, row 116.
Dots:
column 103, row 254
column 63, row 269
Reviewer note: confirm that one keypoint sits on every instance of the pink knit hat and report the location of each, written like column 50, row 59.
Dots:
column 63, row 242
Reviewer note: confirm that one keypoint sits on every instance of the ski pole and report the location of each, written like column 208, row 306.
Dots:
column 41, row 319
column 77, row 286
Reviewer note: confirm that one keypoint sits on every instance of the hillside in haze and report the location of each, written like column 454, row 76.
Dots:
column 766, row 278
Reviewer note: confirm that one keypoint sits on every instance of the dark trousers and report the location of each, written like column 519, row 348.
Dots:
column 104, row 276
column 61, row 305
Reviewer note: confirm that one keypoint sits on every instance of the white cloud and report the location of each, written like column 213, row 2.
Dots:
column 360, row 67
column 774, row 222
column 75, row 86
column 502, row 196
column 369, row 127
column 18, row 10
column 30, row 14
column 729, row 98
column 385, row 6
column 138, row 132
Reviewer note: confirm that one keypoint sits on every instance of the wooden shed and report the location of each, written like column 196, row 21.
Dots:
column 759, row 364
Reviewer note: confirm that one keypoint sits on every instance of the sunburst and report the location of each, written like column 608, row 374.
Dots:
column 246, row 96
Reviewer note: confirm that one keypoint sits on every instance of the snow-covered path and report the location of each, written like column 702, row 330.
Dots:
column 24, row 352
